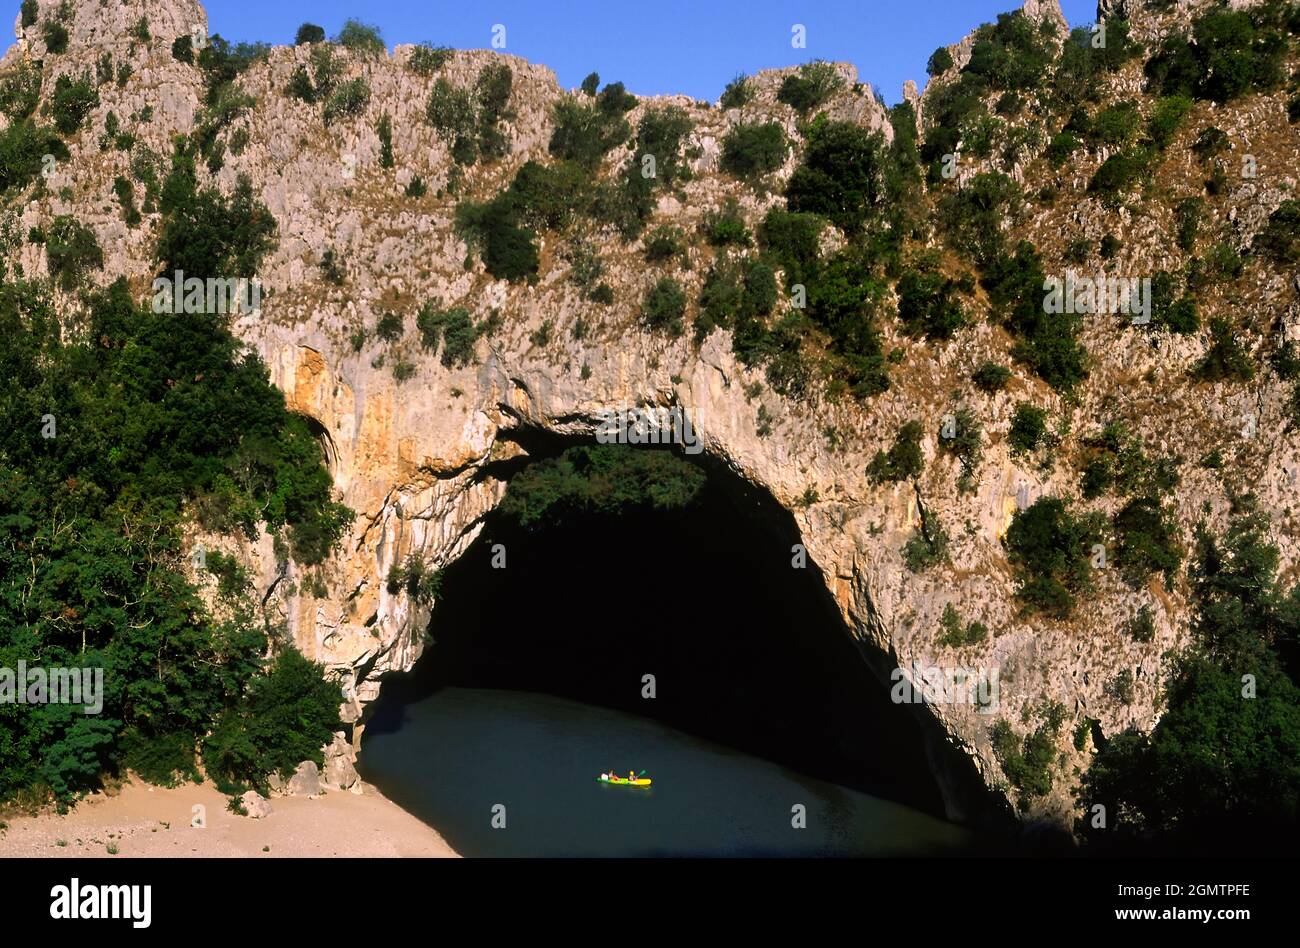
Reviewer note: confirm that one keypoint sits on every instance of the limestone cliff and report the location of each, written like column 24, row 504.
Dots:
column 410, row 457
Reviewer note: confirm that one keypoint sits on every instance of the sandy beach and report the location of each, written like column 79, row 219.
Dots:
column 142, row 820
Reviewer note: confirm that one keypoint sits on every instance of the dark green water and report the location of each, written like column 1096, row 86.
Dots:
column 460, row 752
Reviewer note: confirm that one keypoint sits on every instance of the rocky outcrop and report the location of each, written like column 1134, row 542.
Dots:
column 255, row 805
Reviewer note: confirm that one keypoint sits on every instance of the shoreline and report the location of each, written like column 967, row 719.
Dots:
column 141, row 820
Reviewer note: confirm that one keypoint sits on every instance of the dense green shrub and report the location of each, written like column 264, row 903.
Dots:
column 1172, row 310
column 55, row 35
column 315, row 84
column 308, row 34
column 1232, row 55
column 183, row 50
column 1028, row 429
column 222, row 63
column 991, row 377
column 750, row 151
column 585, row 133
column 492, row 90
column 1227, row 359
column 20, row 91
column 1166, row 119
column 157, row 415
column 361, row 38
column 663, row 243
column 940, row 62
column 1280, row 238
column 725, row 227
column 952, row 634
column 206, row 234
column 928, row 305
column 1050, row 548
column 927, row 546
column 453, row 328
column 1147, row 541
column 737, row 94
column 1047, row 343
column 1187, row 216
column 472, row 121
column 427, row 59
column 72, row 251
column 1012, row 54
column 288, row 716
column 843, row 302
column 421, row 585
column 614, row 99
column 1028, row 762
column 1114, row 126
column 450, row 109
column 903, row 461
column 507, row 248
column 29, row 13
column 125, row 192
column 813, row 85
column 735, row 294
column 389, row 327
column 1120, row 463
column 539, row 197
column 842, row 176
column 1061, row 147
column 71, row 103
column 792, row 242
column 1119, row 174
column 348, row 99
column 23, row 147
column 973, row 216
column 665, row 307
column 1142, row 627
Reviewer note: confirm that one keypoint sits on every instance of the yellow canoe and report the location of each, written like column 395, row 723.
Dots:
column 638, row 782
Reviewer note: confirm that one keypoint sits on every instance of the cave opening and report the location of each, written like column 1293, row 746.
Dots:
column 744, row 649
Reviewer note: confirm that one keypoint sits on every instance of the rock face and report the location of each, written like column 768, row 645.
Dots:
column 340, row 765
column 1112, row 9
column 305, row 781
column 414, row 457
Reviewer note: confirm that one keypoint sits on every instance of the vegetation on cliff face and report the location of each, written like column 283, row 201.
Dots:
column 1222, row 767
column 113, row 435
column 600, row 480
column 121, row 424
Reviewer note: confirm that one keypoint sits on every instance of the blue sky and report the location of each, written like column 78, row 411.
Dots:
column 654, row 46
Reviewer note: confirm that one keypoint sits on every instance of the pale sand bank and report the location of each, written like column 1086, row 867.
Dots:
column 142, row 820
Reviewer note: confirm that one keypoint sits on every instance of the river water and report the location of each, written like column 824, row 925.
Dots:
column 460, row 755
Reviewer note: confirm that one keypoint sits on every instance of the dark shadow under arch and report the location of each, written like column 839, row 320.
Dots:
column 745, row 650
